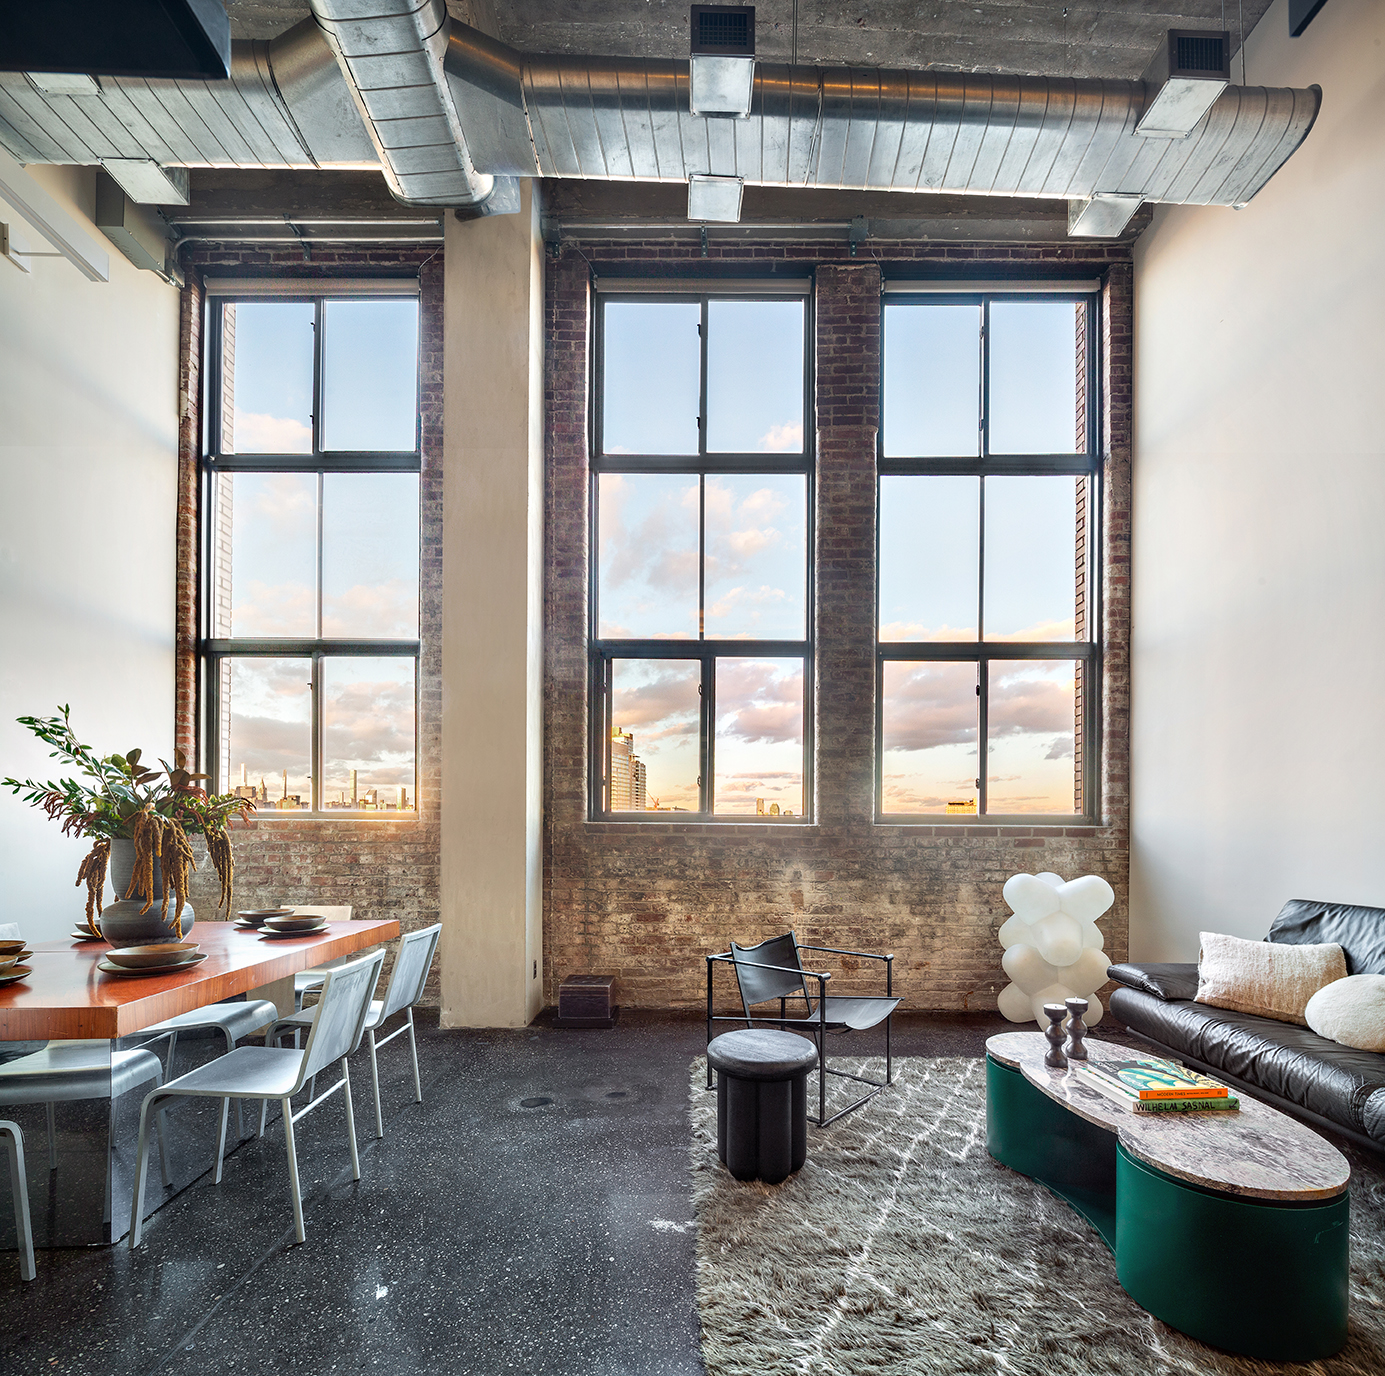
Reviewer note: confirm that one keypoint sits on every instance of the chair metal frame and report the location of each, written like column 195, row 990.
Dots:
column 815, row 1026
column 308, row 1063
column 397, row 999
column 19, row 1188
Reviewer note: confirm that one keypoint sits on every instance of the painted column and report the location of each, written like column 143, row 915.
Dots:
column 492, row 910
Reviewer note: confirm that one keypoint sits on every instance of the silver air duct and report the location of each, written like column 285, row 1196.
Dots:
column 450, row 116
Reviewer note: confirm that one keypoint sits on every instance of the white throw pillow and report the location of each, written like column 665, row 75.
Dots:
column 1350, row 1011
column 1271, row 978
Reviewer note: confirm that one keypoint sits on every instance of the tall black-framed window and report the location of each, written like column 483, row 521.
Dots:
column 310, row 546
column 988, row 643
column 701, row 637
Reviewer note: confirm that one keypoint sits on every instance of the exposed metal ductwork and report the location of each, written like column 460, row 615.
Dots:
column 451, row 117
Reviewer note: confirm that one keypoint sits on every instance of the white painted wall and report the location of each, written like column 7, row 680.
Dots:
column 88, row 506
column 492, row 621
column 1258, row 747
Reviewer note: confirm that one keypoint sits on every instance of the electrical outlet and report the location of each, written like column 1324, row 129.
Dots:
column 536, row 969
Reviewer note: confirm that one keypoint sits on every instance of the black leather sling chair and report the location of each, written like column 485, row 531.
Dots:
column 774, row 970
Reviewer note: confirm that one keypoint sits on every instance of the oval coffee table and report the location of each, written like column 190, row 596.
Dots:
column 1231, row 1227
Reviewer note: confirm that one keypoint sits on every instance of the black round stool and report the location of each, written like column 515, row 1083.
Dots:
column 762, row 1102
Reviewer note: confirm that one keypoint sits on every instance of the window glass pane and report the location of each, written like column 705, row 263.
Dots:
column 368, row 734
column 755, row 376
column 267, row 377
column 370, row 375
column 1032, row 557
column 932, row 402
column 1031, row 715
column 655, row 732
column 267, row 731
column 266, row 555
column 757, row 555
column 651, row 369
column 929, row 738
column 1035, row 370
column 370, row 555
column 759, row 737
column 647, row 560
column 930, row 567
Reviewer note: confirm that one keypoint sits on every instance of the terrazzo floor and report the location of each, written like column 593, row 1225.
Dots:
column 531, row 1215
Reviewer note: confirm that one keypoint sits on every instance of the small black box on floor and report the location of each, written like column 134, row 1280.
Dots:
column 585, row 1001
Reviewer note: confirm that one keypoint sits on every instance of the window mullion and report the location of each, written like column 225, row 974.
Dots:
column 983, row 695
column 315, row 781
column 708, row 753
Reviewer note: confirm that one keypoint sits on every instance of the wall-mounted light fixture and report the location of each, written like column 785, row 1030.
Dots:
column 723, row 59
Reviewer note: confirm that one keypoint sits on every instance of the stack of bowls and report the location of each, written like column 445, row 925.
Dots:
column 254, row 918
column 308, row 924
column 12, row 954
column 164, row 955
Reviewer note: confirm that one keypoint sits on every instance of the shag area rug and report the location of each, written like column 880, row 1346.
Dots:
column 902, row 1247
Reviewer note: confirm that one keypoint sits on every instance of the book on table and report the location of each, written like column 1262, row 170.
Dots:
column 1128, row 1083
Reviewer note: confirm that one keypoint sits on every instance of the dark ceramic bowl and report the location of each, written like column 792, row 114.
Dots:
column 256, row 917
column 11, row 948
column 309, row 922
column 165, row 953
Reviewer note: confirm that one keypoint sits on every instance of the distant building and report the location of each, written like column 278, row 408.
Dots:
column 628, row 792
column 969, row 805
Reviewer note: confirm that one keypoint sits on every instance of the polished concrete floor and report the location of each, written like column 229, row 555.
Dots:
column 531, row 1215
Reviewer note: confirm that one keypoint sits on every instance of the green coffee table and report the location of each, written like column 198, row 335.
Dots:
column 1230, row 1227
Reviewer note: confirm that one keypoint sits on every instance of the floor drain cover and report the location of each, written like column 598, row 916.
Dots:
column 538, row 1101
column 619, row 1094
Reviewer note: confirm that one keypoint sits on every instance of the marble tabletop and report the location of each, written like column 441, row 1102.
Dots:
column 1255, row 1151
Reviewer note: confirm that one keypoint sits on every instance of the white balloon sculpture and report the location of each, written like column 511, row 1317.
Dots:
column 1052, row 944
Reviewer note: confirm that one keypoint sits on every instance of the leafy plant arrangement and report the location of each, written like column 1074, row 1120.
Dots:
column 156, row 809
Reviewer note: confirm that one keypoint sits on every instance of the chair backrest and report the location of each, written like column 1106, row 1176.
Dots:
column 339, row 913
column 410, row 972
column 1358, row 930
column 341, row 1014
column 758, row 985
column 9, row 931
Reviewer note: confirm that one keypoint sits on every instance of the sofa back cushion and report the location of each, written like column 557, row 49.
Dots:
column 1359, row 931
column 1267, row 979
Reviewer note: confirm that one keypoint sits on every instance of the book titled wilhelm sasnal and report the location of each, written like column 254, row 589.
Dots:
column 1155, row 1086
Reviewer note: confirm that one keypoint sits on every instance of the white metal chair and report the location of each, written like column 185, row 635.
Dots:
column 19, row 1188
column 407, row 982
column 270, row 1072
column 63, row 1072
column 306, row 980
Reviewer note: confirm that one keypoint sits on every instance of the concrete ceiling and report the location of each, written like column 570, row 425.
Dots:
column 1110, row 39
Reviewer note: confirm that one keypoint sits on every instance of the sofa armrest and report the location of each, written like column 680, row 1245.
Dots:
column 1164, row 981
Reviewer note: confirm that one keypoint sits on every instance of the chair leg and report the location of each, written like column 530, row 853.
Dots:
column 889, row 1064
column 19, row 1188
column 163, row 1148
column 221, row 1141
column 375, row 1082
column 298, row 1230
column 351, row 1118
column 240, row 1124
column 822, row 1079
column 168, row 1060
column 110, row 1163
column 264, row 1113
column 413, row 1051
column 141, row 1166
column 52, row 1137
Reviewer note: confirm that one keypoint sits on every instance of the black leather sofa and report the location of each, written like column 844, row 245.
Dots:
column 1315, row 1079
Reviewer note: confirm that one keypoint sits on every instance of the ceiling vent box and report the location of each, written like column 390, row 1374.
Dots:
column 1183, row 80
column 722, row 73
column 138, row 233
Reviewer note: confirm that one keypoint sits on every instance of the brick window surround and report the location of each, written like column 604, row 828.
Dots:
column 647, row 900
column 383, row 867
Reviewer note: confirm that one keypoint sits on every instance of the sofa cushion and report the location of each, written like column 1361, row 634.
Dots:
column 1292, row 1062
column 1163, row 980
column 1350, row 1011
column 1271, row 979
column 1360, row 932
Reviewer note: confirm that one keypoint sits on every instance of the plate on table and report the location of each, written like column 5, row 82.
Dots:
column 269, row 934
column 107, row 968
column 14, row 972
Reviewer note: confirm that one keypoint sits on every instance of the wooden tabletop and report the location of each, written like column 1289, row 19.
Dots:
column 1255, row 1151
column 67, row 997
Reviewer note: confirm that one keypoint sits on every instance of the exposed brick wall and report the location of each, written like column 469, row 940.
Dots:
column 646, row 901
column 382, row 867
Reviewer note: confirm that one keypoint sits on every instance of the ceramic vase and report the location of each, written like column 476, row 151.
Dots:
column 122, row 922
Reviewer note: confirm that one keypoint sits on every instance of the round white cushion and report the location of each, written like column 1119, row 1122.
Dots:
column 1350, row 1011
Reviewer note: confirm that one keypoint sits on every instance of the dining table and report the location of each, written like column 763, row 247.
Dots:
column 80, row 1152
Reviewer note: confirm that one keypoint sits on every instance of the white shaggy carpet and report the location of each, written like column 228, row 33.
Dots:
column 902, row 1247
